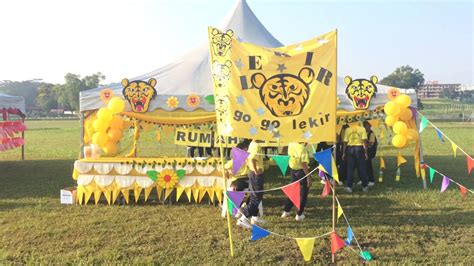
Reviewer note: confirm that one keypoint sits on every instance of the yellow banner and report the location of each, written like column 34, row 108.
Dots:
column 281, row 94
column 202, row 138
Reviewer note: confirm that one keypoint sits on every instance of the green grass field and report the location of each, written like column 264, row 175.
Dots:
column 397, row 222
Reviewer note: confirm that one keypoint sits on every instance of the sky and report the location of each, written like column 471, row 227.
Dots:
column 47, row 39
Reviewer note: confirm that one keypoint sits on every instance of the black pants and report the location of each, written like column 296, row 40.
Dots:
column 370, row 170
column 295, row 175
column 356, row 159
column 255, row 184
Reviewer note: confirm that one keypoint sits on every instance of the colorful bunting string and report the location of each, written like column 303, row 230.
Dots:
column 306, row 246
column 282, row 162
column 447, row 180
column 238, row 159
column 444, row 184
column 293, row 193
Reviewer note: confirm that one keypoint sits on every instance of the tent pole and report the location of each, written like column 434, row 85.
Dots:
column 23, row 137
column 333, row 255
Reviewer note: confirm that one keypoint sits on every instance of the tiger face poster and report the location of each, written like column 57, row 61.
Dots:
column 281, row 94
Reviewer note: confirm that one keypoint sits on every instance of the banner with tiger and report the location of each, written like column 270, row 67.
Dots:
column 281, row 94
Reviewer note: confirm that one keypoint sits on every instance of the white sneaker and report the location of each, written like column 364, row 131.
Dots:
column 299, row 218
column 365, row 189
column 348, row 189
column 244, row 223
column 285, row 214
column 371, row 184
column 359, row 183
column 238, row 214
column 257, row 220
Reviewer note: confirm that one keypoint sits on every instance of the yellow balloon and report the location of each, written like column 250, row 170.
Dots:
column 100, row 138
column 116, row 122
column 104, row 114
column 412, row 134
column 87, row 139
column 100, row 126
column 116, row 105
column 392, row 108
column 399, row 141
column 403, row 100
column 110, row 148
column 400, row 127
column 391, row 119
column 114, row 134
column 406, row 114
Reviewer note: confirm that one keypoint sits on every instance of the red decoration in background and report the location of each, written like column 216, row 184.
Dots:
column 326, row 189
column 336, row 243
column 470, row 164
column 293, row 193
column 463, row 191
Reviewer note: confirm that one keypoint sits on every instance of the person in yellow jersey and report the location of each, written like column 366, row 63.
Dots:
column 299, row 160
column 255, row 174
column 371, row 151
column 355, row 152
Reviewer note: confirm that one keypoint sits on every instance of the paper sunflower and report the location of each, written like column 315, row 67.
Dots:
column 167, row 179
column 106, row 95
column 172, row 102
column 193, row 100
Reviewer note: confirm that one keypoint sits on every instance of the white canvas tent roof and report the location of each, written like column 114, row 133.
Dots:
column 191, row 73
column 10, row 101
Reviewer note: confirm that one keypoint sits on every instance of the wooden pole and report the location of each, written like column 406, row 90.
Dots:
column 228, row 210
column 23, row 137
column 333, row 255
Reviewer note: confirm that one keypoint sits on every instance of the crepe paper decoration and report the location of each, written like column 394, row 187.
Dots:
column 444, row 184
column 432, row 173
column 209, row 99
column 397, row 176
column 97, row 196
column 463, row 191
column 106, row 94
column 202, row 193
column 147, row 192
column 339, row 211
column 282, row 162
column 219, row 194
column 126, row 193
column 87, row 196
column 455, row 147
column 180, row 173
column 326, row 189
column 382, row 163
column 210, row 193
column 236, row 197
column 188, row 191
column 108, row 195
column 423, row 123
column 440, row 136
column 168, row 192
column 152, row 174
column 350, row 235
column 336, row 243
column 470, row 164
column 193, row 100
column 238, row 159
column 306, row 246
column 136, row 193
column 159, row 192
column 400, row 159
column 293, row 193
column 258, row 232
column 168, row 178
column 172, row 102
column 324, row 158
column 115, row 194
column 366, row 255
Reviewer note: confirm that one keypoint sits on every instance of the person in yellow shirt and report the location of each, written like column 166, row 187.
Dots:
column 355, row 151
column 371, row 152
column 299, row 160
column 255, row 174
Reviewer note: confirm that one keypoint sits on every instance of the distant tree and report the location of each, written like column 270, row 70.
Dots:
column 47, row 97
column 68, row 93
column 404, row 77
column 28, row 89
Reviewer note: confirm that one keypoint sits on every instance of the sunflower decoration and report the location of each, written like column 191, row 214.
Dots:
column 106, row 94
column 193, row 100
column 172, row 102
column 167, row 178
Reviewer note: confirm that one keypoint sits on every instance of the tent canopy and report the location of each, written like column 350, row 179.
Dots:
column 10, row 101
column 190, row 74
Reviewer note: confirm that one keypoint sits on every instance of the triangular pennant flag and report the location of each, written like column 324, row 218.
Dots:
column 324, row 158
column 463, row 190
column 231, row 207
column 306, row 246
column 293, row 193
column 126, row 193
column 339, row 210
column 238, row 159
column 444, row 184
column 440, row 136
column 147, row 192
column 97, row 194
column 168, row 192
column 326, row 189
column 321, row 173
column 159, row 192
column 115, row 194
column 382, row 163
column 282, row 162
column 432, row 173
column 87, row 196
column 366, row 255
column 80, row 194
column 179, row 192
column 400, row 159
column 236, row 197
column 188, row 193
column 350, row 235
column 258, row 232
column 470, row 164
column 136, row 193
column 336, row 243
column 202, row 193
column 107, row 195
column 423, row 123
column 455, row 148
column 218, row 194
column 335, row 174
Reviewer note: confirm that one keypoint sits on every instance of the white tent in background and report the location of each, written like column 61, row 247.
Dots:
column 11, row 101
column 191, row 73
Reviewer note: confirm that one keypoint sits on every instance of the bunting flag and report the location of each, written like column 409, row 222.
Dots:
column 179, row 192
column 147, row 192
column 126, row 193
column 306, row 246
column 335, row 174
column 324, row 158
column 293, row 193
column 336, row 243
column 366, row 255
column 168, row 192
column 282, row 162
column 321, row 174
column 87, row 196
column 108, row 197
column 400, row 159
column 136, row 193
column 339, row 210
column 236, row 198
column 423, row 123
column 470, row 164
column 238, row 159
column 444, row 184
column 440, row 136
column 188, row 193
column 115, row 194
column 326, row 189
column 258, row 232
column 432, row 173
column 97, row 196
column 350, row 235
column 455, row 147
column 463, row 191
column 231, row 207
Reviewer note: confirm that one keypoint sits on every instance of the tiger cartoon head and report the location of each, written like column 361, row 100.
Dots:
column 221, row 41
column 361, row 91
column 222, row 105
column 284, row 94
column 221, row 73
column 139, row 93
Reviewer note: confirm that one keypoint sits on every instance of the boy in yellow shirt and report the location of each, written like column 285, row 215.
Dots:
column 355, row 152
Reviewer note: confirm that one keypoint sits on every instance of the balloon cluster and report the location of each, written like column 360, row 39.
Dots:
column 108, row 126
column 398, row 114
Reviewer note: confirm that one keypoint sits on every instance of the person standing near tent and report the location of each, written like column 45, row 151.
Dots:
column 355, row 151
column 340, row 163
column 255, row 167
column 298, row 163
column 371, row 152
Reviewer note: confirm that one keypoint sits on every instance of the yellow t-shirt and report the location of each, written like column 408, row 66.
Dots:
column 255, row 152
column 355, row 136
column 241, row 173
column 298, row 155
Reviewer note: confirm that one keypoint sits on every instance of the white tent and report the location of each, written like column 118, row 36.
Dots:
column 10, row 101
column 191, row 73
